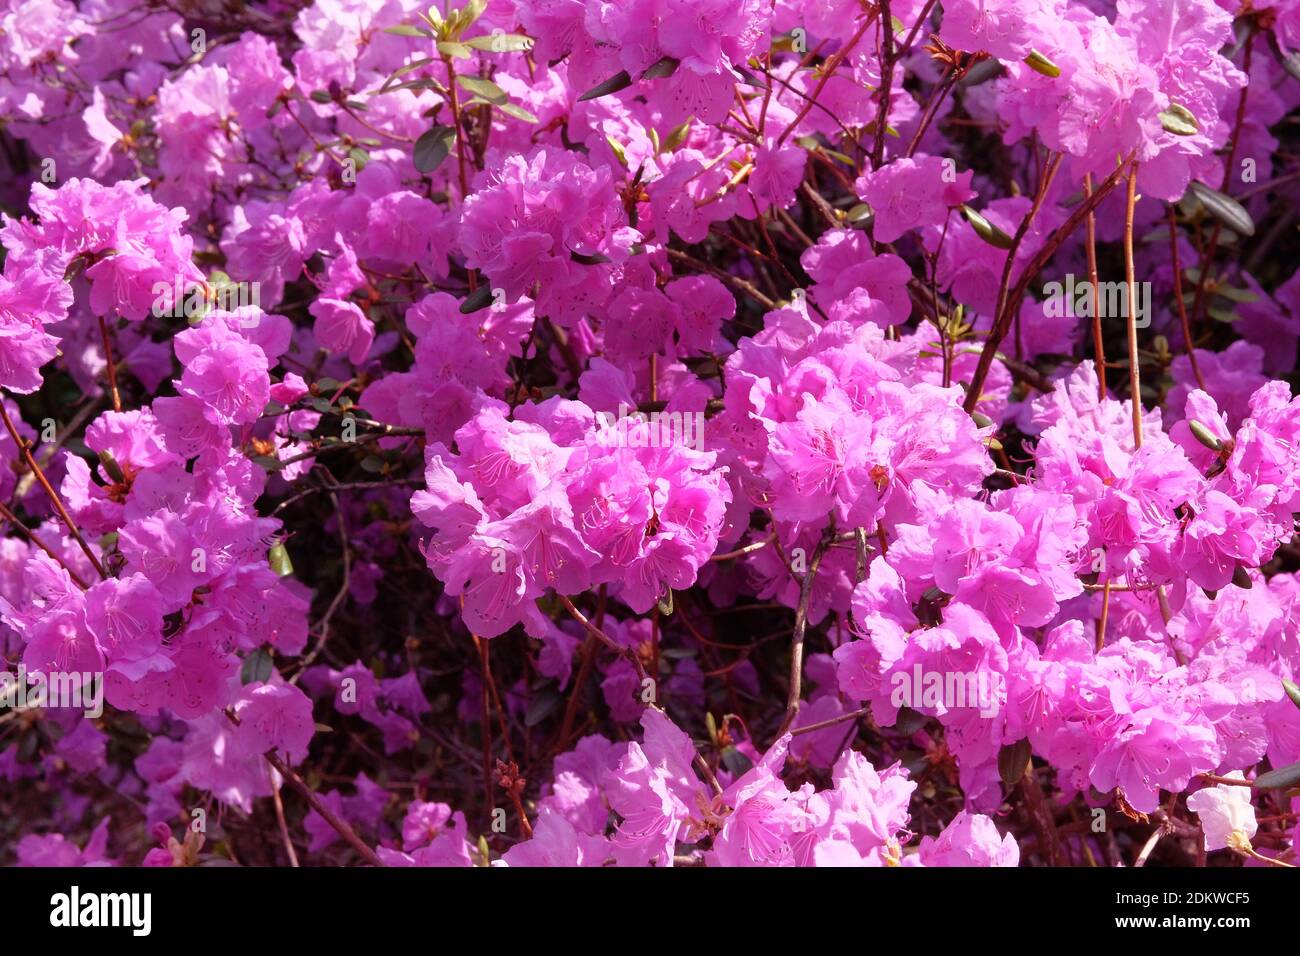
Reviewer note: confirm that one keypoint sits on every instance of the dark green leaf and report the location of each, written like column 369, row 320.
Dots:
column 257, row 667
column 1013, row 761
column 544, row 703
column 736, row 762
column 661, row 68
column 432, row 148
column 1279, row 779
column 478, row 299
column 619, row 81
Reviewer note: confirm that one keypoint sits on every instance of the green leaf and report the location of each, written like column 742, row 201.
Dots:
column 736, row 762
column 1235, row 295
column 278, row 557
column 588, row 259
column 321, row 96
column 1224, row 208
column 359, row 156
column 1013, row 761
column 455, row 50
column 1204, row 435
column 986, row 230
column 1179, row 121
column 471, row 12
column 619, row 81
column 666, row 66
column 111, row 466
column 432, row 148
column 1292, row 691
column 1279, row 779
column 619, row 153
column 1041, row 64
column 484, row 88
column 257, row 667
column 478, row 299
column 373, row 464
column 982, row 72
column 517, row 111
column 1290, row 62
column 407, row 30
column 543, row 704
column 677, row 135
column 502, row 43
column 402, row 71
column 859, row 216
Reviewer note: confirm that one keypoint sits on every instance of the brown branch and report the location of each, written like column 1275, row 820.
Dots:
column 25, row 447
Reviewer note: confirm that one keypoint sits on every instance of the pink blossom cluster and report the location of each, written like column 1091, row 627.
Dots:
column 650, row 432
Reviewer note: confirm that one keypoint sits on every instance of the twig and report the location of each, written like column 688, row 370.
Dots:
column 284, row 827
column 112, row 367
column 31, row 536
column 26, row 450
column 823, row 724
column 1130, row 275
column 337, row 600
column 796, row 649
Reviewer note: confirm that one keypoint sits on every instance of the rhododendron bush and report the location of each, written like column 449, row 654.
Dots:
column 649, row 432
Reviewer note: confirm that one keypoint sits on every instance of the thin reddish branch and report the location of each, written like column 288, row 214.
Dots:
column 26, row 449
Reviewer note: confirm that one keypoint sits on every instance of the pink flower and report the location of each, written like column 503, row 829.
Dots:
column 908, row 193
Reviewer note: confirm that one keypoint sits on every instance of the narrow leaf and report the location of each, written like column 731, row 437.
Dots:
column 660, row 68
column 1224, row 208
column 484, row 88
column 1041, row 64
column 1278, row 779
column 478, row 299
column 986, row 230
column 619, row 81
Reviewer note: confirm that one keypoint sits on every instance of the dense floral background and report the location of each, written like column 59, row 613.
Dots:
column 649, row 432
